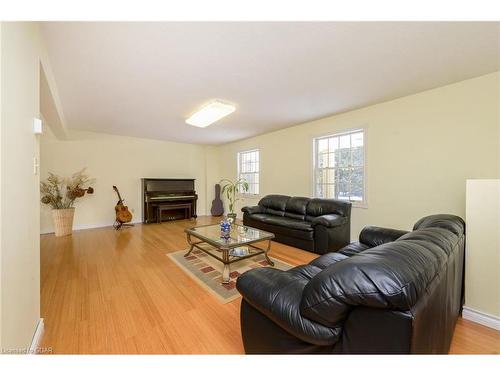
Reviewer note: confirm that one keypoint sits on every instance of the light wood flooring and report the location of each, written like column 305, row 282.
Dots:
column 104, row 291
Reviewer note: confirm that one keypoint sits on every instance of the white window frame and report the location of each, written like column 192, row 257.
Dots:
column 358, row 204
column 238, row 161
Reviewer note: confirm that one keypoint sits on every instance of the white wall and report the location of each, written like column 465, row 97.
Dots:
column 420, row 150
column 19, row 200
column 120, row 161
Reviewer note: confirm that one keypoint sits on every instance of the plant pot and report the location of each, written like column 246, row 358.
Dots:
column 231, row 217
column 63, row 221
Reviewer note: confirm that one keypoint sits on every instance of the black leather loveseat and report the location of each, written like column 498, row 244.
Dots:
column 319, row 225
column 391, row 292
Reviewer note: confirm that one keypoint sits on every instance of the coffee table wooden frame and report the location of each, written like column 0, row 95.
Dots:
column 225, row 249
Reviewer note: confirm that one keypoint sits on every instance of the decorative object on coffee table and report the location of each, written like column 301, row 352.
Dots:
column 232, row 188
column 60, row 193
column 225, row 229
column 217, row 205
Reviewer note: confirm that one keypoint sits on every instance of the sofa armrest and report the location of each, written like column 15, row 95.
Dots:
column 376, row 236
column 252, row 210
column 329, row 221
column 277, row 295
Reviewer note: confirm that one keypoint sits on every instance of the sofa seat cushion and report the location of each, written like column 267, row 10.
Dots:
column 283, row 225
column 284, row 222
column 290, row 223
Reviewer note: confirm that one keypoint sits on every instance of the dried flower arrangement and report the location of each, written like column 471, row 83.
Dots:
column 61, row 193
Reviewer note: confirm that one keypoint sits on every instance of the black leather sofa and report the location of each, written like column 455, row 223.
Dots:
column 391, row 292
column 318, row 225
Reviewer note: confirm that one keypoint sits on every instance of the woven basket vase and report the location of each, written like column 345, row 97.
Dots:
column 63, row 221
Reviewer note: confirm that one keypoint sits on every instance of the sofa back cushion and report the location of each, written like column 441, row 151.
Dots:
column 393, row 276
column 319, row 207
column 274, row 204
column 448, row 222
column 376, row 236
column 296, row 207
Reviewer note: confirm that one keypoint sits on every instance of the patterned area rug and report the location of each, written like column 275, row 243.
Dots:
column 207, row 271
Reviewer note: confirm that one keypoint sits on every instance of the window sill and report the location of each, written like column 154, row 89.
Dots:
column 249, row 196
column 360, row 205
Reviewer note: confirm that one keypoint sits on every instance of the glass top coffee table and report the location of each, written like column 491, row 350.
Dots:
column 240, row 244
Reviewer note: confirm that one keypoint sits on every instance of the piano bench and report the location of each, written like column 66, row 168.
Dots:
column 169, row 207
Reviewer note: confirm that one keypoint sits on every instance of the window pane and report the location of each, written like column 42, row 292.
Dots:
column 343, row 191
column 344, row 175
column 322, row 145
column 357, row 154
column 248, row 166
column 323, row 160
column 357, row 184
column 339, row 169
column 345, row 141
column 330, row 191
column 333, row 159
column 357, row 140
column 324, row 176
column 344, row 159
column 330, row 176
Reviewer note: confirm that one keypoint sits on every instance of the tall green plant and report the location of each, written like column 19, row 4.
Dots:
column 231, row 189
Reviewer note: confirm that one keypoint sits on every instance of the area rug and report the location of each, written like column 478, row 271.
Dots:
column 207, row 271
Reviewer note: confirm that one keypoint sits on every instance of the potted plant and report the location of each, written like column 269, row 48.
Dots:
column 60, row 194
column 231, row 189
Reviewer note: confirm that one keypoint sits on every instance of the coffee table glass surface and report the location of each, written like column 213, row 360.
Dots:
column 240, row 235
column 242, row 238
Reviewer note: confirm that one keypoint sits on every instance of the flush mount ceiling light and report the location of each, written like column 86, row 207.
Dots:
column 210, row 113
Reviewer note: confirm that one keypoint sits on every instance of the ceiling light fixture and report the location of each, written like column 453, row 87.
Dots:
column 210, row 113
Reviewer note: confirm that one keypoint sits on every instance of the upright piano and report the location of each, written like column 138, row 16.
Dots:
column 165, row 192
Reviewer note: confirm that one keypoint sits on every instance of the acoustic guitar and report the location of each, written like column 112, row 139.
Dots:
column 123, row 215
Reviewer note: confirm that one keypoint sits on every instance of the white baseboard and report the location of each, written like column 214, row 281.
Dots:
column 37, row 338
column 480, row 317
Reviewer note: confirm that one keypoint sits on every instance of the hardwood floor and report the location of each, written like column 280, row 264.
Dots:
column 104, row 291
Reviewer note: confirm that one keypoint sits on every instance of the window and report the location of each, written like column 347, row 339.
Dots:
column 339, row 167
column 248, row 168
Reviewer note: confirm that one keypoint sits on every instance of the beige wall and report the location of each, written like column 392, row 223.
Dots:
column 482, row 282
column 420, row 151
column 19, row 246
column 120, row 161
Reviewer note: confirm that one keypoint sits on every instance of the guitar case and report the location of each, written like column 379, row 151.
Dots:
column 217, row 206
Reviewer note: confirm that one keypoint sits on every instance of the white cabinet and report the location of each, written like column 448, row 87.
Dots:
column 482, row 254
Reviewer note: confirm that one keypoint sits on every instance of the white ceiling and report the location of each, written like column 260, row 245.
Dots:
column 144, row 79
